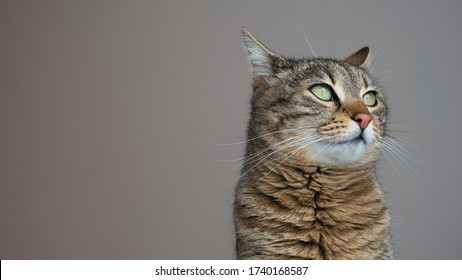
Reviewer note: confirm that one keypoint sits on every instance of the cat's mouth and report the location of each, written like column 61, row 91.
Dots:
column 353, row 141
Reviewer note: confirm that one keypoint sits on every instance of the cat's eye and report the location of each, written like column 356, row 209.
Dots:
column 323, row 92
column 369, row 98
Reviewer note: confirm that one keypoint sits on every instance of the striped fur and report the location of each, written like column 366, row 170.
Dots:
column 307, row 191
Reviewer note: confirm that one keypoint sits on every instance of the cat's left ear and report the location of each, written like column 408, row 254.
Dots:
column 261, row 59
column 360, row 57
column 258, row 55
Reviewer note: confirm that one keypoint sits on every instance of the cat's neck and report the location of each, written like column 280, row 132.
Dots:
column 333, row 170
column 296, row 173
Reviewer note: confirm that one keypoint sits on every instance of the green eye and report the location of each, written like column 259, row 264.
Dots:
column 369, row 98
column 323, row 92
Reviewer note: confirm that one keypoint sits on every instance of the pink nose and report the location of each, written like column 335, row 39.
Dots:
column 363, row 120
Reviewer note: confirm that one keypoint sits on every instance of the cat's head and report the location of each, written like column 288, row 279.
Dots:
column 331, row 111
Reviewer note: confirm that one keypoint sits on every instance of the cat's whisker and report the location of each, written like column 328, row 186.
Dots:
column 245, row 158
column 402, row 121
column 274, row 148
column 399, row 142
column 260, row 136
column 227, row 160
column 402, row 131
column 375, row 56
column 280, row 142
column 391, row 70
column 304, row 34
column 295, row 141
column 323, row 148
column 287, row 157
column 259, row 162
column 391, row 162
column 397, row 150
column 394, row 138
column 401, row 160
column 402, row 150
column 303, row 140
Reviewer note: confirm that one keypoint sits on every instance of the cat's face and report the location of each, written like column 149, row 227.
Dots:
column 329, row 111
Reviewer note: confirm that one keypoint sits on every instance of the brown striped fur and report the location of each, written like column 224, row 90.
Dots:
column 307, row 191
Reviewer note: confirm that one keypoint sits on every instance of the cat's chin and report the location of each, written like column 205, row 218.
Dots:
column 346, row 149
column 338, row 153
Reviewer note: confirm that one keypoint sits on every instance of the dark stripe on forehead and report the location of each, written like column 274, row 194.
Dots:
column 332, row 78
column 351, row 79
column 366, row 84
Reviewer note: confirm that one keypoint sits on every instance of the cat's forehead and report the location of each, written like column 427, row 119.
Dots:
column 350, row 78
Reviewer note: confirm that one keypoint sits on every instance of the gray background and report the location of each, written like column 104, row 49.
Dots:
column 110, row 112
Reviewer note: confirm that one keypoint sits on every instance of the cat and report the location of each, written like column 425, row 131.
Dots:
column 308, row 188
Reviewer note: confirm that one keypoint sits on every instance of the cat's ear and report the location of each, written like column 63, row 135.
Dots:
column 258, row 55
column 260, row 58
column 360, row 57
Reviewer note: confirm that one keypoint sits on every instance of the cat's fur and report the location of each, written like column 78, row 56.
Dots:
column 308, row 188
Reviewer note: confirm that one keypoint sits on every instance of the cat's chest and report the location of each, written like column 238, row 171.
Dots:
column 330, row 211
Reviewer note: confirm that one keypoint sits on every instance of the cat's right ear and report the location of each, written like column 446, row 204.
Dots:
column 360, row 57
column 260, row 58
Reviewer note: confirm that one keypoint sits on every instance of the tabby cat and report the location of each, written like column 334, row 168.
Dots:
column 308, row 188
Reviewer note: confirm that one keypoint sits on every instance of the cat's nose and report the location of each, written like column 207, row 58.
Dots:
column 363, row 120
